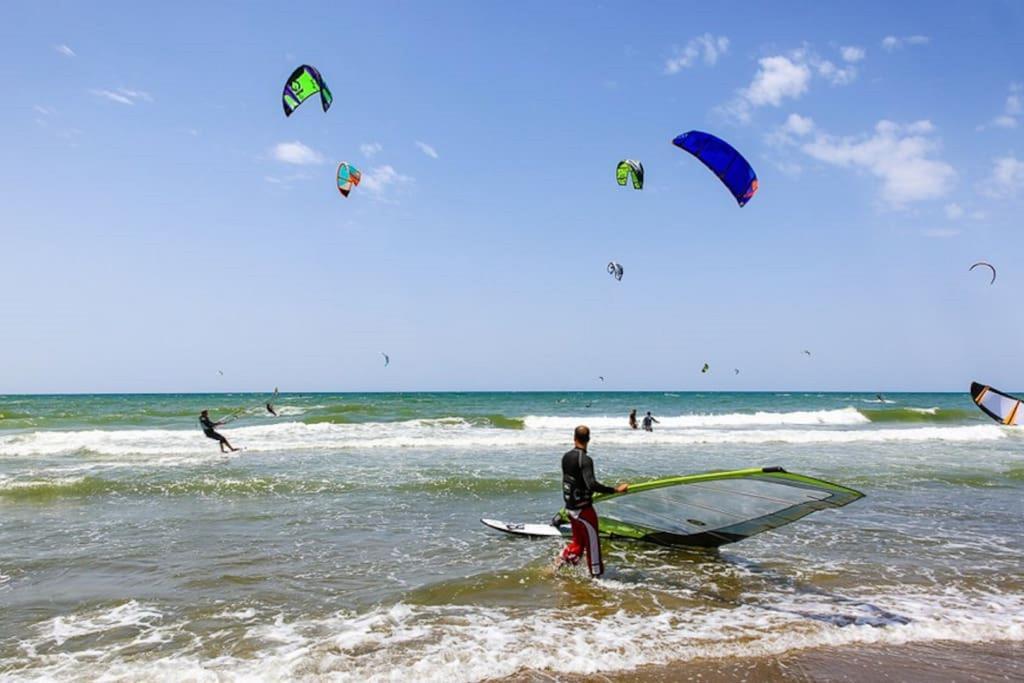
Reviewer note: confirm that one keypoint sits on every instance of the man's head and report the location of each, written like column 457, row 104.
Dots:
column 648, row 412
column 204, row 413
column 581, row 436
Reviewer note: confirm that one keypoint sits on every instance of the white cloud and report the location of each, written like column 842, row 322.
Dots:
column 45, row 111
column 940, row 233
column 378, row 179
column 836, row 75
column 135, row 94
column 1015, row 100
column 782, row 77
column 123, row 95
column 900, row 156
column 777, row 78
column 891, row 43
column 707, row 46
column 956, row 212
column 852, row 53
column 799, row 125
column 795, row 126
column 65, row 50
column 295, row 153
column 369, row 149
column 427, row 149
column 1013, row 107
column 287, row 180
column 113, row 96
column 1007, row 179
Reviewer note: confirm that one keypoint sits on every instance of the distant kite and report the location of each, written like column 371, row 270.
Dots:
column 220, row 372
column 627, row 168
column 303, row 84
column 807, row 352
column 601, row 377
column 387, row 359
column 736, row 370
column 705, row 368
column 615, row 270
column 987, row 265
column 348, row 177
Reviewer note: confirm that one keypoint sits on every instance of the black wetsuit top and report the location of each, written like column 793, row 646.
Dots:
column 578, row 481
column 207, row 426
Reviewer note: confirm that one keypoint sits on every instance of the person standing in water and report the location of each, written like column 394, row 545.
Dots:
column 648, row 419
column 578, row 488
column 208, row 429
column 632, row 419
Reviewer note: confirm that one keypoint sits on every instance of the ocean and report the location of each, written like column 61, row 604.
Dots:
column 343, row 542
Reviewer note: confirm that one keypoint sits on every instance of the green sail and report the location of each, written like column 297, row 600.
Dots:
column 714, row 508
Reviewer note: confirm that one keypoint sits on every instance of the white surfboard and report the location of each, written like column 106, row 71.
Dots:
column 522, row 529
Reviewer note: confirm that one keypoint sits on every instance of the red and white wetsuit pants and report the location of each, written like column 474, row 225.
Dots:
column 584, row 539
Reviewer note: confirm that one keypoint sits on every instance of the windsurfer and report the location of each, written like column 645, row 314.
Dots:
column 578, row 487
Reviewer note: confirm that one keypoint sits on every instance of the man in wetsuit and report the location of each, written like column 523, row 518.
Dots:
column 578, row 487
column 632, row 418
column 208, row 429
column 648, row 420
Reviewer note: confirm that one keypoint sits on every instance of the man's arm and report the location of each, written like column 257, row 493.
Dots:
column 592, row 483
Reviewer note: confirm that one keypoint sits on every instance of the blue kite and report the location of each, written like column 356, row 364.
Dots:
column 723, row 160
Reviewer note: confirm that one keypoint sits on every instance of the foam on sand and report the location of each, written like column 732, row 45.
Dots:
column 472, row 643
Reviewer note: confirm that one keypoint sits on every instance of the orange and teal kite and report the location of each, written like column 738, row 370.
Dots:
column 348, row 177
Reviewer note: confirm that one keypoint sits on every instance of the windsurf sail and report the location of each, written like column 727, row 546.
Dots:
column 714, row 508
column 1001, row 407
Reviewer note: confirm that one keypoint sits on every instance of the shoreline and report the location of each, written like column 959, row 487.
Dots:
column 909, row 663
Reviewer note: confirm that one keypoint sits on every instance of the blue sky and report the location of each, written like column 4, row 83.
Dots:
column 163, row 220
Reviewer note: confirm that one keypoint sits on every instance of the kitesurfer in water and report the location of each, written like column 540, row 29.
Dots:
column 208, row 429
column 632, row 418
column 648, row 420
column 578, row 488
column 270, row 409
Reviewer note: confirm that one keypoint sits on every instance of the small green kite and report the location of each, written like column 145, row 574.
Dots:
column 629, row 167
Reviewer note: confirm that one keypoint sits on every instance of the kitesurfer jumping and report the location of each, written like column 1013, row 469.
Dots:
column 578, row 488
column 632, row 418
column 648, row 419
column 208, row 429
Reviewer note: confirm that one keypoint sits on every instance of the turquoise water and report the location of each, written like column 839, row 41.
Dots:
column 344, row 540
